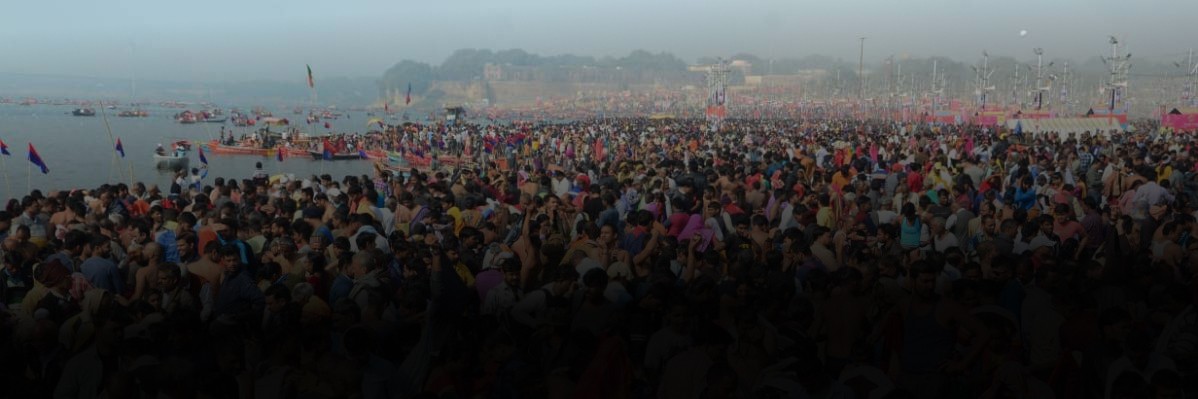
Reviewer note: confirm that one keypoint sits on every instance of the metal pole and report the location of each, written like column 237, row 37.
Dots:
column 861, row 71
column 935, row 94
column 1039, row 77
column 111, row 140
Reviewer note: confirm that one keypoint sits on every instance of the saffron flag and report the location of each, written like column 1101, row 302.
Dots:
column 37, row 159
column 120, row 148
column 311, row 83
column 4, row 148
column 408, row 98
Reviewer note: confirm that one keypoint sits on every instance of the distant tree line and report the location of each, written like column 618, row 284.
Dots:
column 908, row 75
column 467, row 64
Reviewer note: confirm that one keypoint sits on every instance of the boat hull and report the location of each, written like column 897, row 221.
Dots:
column 318, row 155
column 216, row 148
column 172, row 163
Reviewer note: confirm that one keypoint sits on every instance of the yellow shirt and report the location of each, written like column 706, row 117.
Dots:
column 824, row 218
column 464, row 273
column 1164, row 173
column 839, row 180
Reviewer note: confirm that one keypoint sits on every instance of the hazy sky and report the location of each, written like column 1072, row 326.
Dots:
column 216, row 40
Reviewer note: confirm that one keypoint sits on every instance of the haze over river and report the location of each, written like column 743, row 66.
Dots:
column 79, row 152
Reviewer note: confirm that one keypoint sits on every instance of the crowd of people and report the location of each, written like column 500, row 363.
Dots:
column 628, row 258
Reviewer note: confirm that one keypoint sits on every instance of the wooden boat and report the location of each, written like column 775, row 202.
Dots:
column 171, row 162
column 83, row 112
column 341, row 156
column 216, row 147
column 242, row 121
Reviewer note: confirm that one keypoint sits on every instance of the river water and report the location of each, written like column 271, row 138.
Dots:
column 79, row 152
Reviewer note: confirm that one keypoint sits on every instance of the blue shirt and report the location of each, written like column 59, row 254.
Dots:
column 170, row 246
column 324, row 231
column 1025, row 199
column 342, row 284
column 102, row 273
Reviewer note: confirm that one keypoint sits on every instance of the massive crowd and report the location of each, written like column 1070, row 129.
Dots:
column 628, row 259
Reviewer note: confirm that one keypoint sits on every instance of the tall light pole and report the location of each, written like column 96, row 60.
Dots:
column 861, row 71
column 1039, row 77
column 1119, row 66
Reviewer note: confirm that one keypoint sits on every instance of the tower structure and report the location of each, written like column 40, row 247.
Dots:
column 717, row 90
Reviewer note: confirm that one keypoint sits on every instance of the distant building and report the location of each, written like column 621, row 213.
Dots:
column 745, row 67
column 492, row 72
column 802, row 77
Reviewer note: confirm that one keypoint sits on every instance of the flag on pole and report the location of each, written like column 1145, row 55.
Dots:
column 37, row 159
column 311, row 83
column 4, row 148
column 408, row 98
column 120, row 148
column 204, row 161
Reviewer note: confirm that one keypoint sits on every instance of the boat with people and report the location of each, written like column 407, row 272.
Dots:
column 171, row 162
column 175, row 160
column 216, row 147
column 83, row 112
column 186, row 117
column 240, row 120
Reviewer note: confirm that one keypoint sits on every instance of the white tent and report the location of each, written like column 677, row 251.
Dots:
column 1066, row 126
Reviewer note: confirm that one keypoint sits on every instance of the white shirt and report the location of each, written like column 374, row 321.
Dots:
column 944, row 242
